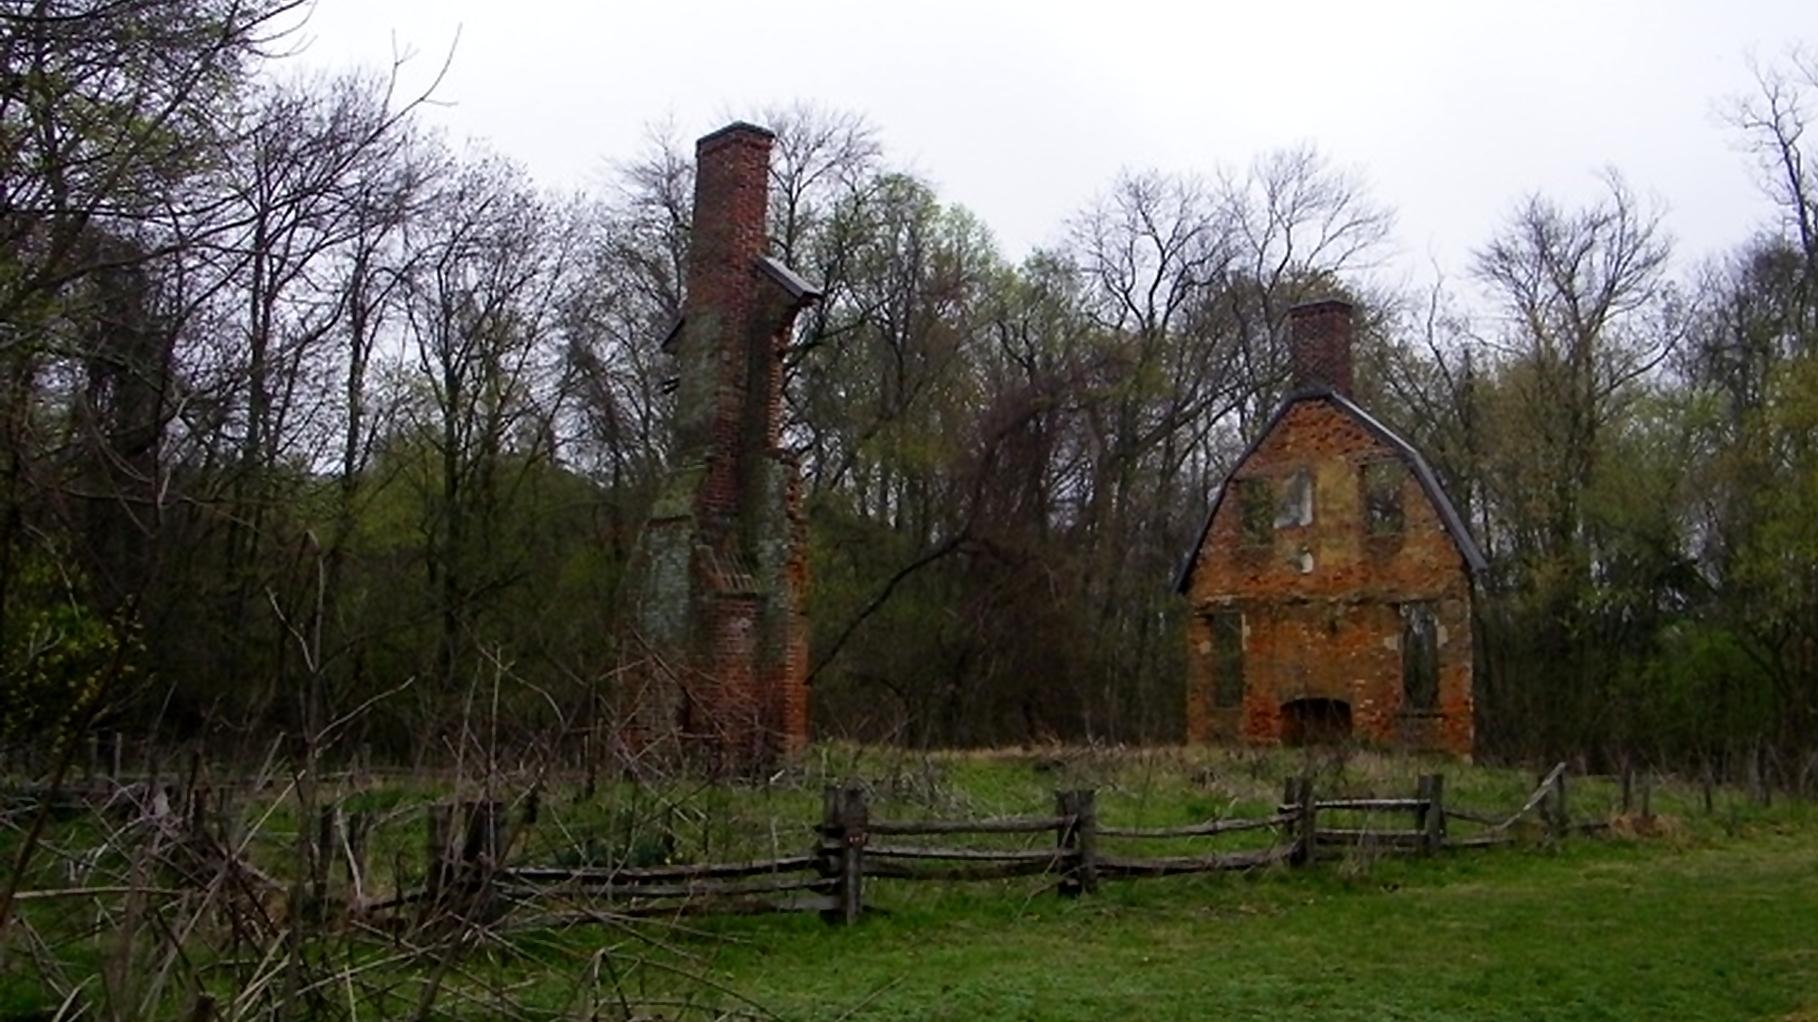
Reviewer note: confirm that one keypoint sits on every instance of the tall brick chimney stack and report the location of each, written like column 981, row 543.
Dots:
column 1319, row 343
column 714, row 637
column 731, row 198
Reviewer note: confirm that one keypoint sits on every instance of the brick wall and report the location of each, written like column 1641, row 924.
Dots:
column 1320, row 601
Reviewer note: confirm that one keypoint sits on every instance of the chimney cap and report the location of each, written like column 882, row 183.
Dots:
column 736, row 131
column 1321, row 305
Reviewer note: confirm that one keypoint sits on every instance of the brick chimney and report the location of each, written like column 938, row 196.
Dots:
column 731, row 193
column 716, row 638
column 731, row 197
column 1319, row 343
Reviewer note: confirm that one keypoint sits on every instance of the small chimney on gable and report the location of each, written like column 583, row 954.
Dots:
column 1319, row 344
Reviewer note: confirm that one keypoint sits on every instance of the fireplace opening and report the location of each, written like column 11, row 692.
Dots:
column 1315, row 722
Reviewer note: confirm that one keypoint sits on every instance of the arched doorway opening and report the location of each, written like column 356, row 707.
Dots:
column 1315, row 722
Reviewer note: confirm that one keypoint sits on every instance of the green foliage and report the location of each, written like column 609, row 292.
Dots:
column 60, row 659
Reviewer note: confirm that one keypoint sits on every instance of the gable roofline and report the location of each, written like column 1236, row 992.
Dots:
column 1429, row 482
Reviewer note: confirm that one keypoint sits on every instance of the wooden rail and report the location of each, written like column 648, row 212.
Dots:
column 1004, row 825
column 965, row 854
column 1207, row 829
column 1551, row 790
column 1366, row 805
column 1168, row 866
column 694, row 891
column 1360, row 836
column 654, row 874
column 979, row 871
column 830, row 878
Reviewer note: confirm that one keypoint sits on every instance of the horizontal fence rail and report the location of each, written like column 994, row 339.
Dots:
column 697, row 890
column 1207, row 829
column 654, row 874
column 960, row 854
column 1004, row 825
column 468, row 847
column 1114, row 865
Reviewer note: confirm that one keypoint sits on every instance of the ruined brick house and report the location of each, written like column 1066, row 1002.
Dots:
column 1330, row 590
column 713, row 635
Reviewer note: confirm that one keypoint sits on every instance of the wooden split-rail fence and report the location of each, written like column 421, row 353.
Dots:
column 852, row 848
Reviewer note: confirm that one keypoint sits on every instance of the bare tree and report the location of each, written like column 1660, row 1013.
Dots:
column 1584, row 295
column 1300, row 224
column 112, row 104
column 1772, row 124
column 480, row 316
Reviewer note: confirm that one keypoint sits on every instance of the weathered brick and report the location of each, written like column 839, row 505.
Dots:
column 1321, row 601
column 714, row 626
column 1321, row 349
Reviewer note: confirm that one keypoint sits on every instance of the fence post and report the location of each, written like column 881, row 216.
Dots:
column 1076, row 842
column 482, row 852
column 829, row 844
column 1299, row 794
column 114, row 752
column 1423, row 801
column 1433, row 816
column 1290, row 803
column 845, row 820
column 435, row 849
column 1557, row 815
column 1086, row 824
column 326, row 840
column 1647, row 795
column 855, row 821
column 481, row 848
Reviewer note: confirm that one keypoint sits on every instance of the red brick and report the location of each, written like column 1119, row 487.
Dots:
column 735, row 628
column 1332, row 632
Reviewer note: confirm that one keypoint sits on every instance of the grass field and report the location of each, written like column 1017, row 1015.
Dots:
column 1715, row 915
column 1600, row 930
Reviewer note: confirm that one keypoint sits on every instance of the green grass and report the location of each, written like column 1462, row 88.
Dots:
column 1602, row 930
column 1719, row 920
column 1715, row 918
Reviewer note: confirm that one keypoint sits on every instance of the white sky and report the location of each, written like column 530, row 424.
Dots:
column 1022, row 112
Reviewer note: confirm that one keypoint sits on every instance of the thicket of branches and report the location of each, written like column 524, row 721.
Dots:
column 301, row 405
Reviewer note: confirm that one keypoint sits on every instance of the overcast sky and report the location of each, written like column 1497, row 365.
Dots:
column 1451, row 111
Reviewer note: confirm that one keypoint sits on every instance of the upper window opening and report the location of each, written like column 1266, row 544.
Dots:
column 1382, row 485
column 1296, row 506
column 1255, row 501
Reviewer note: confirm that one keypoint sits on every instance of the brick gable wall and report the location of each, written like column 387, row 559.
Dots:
column 1321, row 602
